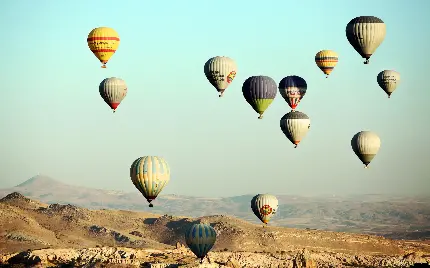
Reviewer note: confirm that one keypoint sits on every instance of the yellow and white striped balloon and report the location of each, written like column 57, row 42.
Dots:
column 220, row 71
column 388, row 81
column 326, row 60
column 150, row 174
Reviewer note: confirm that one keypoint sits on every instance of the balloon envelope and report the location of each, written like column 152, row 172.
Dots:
column 220, row 71
column 295, row 126
column 365, row 34
column 103, row 42
column 388, row 81
column 293, row 89
column 200, row 238
column 365, row 145
column 113, row 90
column 150, row 174
column 259, row 92
column 326, row 60
column 264, row 206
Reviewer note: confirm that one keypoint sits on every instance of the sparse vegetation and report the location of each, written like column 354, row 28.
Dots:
column 102, row 237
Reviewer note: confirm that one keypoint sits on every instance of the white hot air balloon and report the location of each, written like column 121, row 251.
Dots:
column 264, row 206
column 295, row 126
column 366, row 34
column 113, row 90
column 388, row 81
column 220, row 71
column 365, row 145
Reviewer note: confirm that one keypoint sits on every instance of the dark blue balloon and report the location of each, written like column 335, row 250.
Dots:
column 293, row 81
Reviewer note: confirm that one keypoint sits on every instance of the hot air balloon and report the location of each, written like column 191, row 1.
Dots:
column 365, row 145
column 293, row 89
column 365, row 34
column 264, row 207
column 220, row 71
column 388, row 80
column 150, row 174
column 113, row 90
column 259, row 92
column 200, row 238
column 295, row 126
column 103, row 42
column 326, row 60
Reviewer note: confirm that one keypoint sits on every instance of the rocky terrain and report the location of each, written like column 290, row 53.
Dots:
column 396, row 217
column 36, row 234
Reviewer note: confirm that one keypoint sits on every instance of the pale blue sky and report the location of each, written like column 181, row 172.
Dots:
column 53, row 120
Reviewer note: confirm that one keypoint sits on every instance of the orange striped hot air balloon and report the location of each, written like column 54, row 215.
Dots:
column 103, row 42
column 326, row 61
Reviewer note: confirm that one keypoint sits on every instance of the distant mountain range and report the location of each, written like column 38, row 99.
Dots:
column 393, row 217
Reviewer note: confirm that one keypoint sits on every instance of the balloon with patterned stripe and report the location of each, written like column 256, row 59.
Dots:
column 293, row 89
column 113, row 90
column 150, row 174
column 220, row 72
column 259, row 92
column 200, row 238
column 326, row 60
column 264, row 206
column 295, row 126
column 103, row 42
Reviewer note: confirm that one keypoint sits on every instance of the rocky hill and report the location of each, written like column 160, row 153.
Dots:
column 34, row 233
column 397, row 217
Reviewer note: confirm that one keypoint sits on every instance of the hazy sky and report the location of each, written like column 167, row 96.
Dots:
column 53, row 120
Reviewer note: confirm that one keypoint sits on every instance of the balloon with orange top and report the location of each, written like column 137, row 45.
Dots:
column 103, row 42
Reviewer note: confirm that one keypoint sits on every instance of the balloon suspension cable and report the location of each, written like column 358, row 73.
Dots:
column 201, row 260
column 366, row 61
column 295, row 145
column 221, row 94
column 365, row 166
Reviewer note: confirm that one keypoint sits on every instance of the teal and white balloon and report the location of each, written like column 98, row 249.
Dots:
column 365, row 145
column 295, row 126
column 388, row 81
column 200, row 238
column 264, row 206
